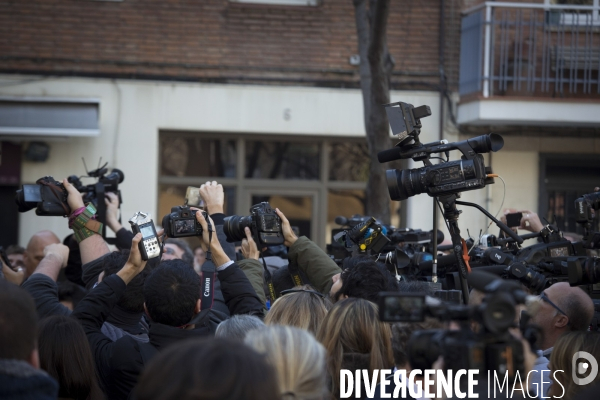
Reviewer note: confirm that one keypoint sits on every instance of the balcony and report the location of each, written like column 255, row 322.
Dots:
column 530, row 64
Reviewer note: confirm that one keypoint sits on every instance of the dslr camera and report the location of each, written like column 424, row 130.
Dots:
column 264, row 223
column 182, row 222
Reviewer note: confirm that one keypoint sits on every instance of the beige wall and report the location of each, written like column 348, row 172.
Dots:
column 133, row 112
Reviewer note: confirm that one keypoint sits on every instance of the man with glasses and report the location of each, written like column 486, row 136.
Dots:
column 562, row 309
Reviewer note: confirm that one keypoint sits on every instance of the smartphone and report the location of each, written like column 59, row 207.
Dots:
column 192, row 197
column 513, row 219
column 401, row 307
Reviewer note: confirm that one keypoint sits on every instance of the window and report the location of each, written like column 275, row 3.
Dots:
column 313, row 180
column 589, row 16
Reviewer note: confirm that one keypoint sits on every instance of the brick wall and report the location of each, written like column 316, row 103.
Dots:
column 215, row 40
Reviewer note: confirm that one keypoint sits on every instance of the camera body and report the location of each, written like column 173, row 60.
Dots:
column 105, row 184
column 48, row 196
column 491, row 348
column 437, row 180
column 264, row 223
column 182, row 222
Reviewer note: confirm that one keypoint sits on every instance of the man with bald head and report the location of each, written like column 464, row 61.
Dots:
column 34, row 253
column 563, row 308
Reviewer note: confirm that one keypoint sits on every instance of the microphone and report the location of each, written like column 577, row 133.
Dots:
column 389, row 155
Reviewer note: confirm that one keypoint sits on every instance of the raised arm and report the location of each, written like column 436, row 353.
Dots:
column 41, row 285
column 238, row 293
column 310, row 259
column 93, row 310
column 86, row 229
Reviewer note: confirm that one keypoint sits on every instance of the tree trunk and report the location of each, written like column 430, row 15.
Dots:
column 376, row 66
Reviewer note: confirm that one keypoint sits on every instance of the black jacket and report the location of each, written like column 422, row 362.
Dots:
column 119, row 363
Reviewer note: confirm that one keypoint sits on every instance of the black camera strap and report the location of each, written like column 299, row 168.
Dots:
column 295, row 273
column 208, row 274
column 269, row 280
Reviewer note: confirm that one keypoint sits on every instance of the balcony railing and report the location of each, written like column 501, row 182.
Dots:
column 520, row 49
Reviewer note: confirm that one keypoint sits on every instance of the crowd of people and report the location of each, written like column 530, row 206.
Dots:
column 79, row 321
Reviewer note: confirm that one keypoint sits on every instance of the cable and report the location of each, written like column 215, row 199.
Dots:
column 497, row 213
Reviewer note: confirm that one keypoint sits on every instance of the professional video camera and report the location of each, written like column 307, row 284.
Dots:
column 264, row 223
column 492, row 348
column 446, row 178
column 444, row 181
column 50, row 196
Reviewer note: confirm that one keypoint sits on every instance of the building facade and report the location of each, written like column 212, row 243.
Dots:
column 264, row 97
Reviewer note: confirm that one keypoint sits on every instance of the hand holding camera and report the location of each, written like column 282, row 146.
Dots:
column 249, row 248
column 134, row 264
column 209, row 239
column 74, row 198
column 288, row 234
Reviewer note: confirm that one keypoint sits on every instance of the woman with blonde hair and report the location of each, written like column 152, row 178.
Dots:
column 302, row 307
column 561, row 363
column 354, row 338
column 298, row 358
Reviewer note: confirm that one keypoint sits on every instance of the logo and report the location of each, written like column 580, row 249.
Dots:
column 207, row 289
column 581, row 368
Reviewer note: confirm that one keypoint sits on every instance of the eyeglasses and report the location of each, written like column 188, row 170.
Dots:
column 168, row 250
column 547, row 300
column 288, row 291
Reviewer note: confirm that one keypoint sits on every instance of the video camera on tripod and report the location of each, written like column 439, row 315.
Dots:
column 444, row 181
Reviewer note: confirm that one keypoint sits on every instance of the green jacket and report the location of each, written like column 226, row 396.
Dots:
column 310, row 259
column 315, row 263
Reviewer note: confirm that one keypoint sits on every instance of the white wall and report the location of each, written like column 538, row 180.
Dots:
column 133, row 112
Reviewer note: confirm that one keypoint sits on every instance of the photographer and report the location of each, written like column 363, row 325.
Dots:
column 562, row 309
column 172, row 300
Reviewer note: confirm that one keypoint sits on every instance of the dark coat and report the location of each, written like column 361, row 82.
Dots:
column 20, row 381
column 119, row 363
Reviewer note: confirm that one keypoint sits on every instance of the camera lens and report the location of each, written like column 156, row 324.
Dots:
column 233, row 227
column 403, row 184
column 116, row 175
column 23, row 205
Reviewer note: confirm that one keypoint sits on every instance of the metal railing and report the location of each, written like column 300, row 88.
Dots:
column 520, row 49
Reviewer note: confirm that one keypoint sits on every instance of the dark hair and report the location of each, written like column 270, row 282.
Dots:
column 14, row 249
column 207, row 369
column 65, row 354
column 282, row 280
column 18, row 322
column 365, row 278
column 132, row 299
column 68, row 291
column 171, row 292
column 188, row 255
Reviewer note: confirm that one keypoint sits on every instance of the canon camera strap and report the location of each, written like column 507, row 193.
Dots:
column 208, row 273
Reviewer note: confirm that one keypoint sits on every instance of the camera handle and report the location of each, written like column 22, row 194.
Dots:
column 451, row 214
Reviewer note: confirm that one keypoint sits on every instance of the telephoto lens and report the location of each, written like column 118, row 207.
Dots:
column 233, row 227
